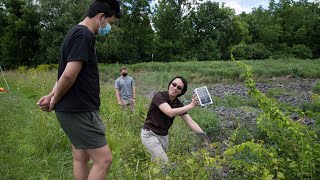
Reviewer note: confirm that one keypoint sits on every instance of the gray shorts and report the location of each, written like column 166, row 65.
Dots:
column 85, row 130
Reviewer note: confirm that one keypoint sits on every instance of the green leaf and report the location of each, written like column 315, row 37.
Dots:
column 190, row 161
column 280, row 175
column 271, row 155
column 155, row 170
column 270, row 177
column 274, row 160
column 254, row 168
column 293, row 164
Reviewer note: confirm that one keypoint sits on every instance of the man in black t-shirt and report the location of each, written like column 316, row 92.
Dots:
column 76, row 94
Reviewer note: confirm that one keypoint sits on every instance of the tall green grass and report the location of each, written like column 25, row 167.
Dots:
column 34, row 146
column 155, row 74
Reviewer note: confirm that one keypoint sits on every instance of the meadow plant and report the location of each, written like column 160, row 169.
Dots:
column 35, row 147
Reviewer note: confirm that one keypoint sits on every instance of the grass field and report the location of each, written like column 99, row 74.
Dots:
column 33, row 146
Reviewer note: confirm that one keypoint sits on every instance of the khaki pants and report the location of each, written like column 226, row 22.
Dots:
column 156, row 145
column 128, row 103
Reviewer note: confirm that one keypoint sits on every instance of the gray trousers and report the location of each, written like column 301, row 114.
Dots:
column 156, row 145
column 128, row 103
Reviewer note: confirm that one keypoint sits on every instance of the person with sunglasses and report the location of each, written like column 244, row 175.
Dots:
column 165, row 106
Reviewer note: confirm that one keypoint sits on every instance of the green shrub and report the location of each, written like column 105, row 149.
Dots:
column 296, row 72
column 282, row 51
column 301, row 51
column 208, row 51
column 208, row 120
column 316, row 88
column 289, row 150
column 259, row 51
column 22, row 69
column 252, row 51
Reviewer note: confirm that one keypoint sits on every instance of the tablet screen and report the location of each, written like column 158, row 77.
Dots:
column 203, row 96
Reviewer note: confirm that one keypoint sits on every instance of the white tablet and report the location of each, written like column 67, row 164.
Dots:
column 203, row 96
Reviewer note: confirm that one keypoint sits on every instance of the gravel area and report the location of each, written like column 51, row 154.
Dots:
column 293, row 91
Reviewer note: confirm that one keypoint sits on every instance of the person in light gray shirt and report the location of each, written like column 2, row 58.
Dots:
column 125, row 90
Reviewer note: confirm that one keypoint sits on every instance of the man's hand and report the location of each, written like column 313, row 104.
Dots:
column 47, row 103
column 52, row 104
column 120, row 103
column 44, row 103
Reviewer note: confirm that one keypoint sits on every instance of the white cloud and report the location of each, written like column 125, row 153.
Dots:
column 237, row 6
column 246, row 5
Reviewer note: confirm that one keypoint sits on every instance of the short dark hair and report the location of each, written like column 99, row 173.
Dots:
column 123, row 68
column 185, row 84
column 107, row 7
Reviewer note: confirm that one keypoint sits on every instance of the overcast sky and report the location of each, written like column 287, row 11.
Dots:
column 246, row 5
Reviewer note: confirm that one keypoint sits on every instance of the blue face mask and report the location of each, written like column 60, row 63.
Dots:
column 104, row 31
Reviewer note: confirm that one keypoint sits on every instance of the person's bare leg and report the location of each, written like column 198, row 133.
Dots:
column 102, row 160
column 80, row 163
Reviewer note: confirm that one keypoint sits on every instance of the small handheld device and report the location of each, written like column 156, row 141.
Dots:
column 203, row 96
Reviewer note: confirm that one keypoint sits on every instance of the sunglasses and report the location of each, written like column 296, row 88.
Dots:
column 175, row 85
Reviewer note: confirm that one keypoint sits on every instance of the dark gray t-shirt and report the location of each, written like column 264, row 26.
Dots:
column 125, row 84
column 84, row 94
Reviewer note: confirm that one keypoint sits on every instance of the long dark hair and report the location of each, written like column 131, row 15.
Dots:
column 185, row 85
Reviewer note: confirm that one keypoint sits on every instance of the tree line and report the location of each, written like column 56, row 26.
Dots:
column 32, row 31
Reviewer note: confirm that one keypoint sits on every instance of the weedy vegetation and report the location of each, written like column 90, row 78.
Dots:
column 33, row 146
